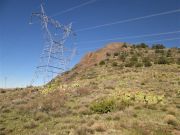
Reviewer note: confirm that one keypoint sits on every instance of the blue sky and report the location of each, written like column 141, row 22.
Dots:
column 21, row 43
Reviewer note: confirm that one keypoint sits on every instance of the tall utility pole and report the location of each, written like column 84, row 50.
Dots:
column 56, row 54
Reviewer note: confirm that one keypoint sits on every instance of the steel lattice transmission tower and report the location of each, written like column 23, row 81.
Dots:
column 58, row 50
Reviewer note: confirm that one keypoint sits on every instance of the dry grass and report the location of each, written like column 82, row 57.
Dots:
column 68, row 112
column 170, row 119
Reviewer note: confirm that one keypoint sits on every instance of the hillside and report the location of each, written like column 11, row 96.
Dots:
column 120, row 89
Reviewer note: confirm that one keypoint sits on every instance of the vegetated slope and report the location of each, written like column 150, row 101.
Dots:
column 119, row 89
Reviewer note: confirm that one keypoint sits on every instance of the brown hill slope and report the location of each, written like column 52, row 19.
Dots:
column 92, row 58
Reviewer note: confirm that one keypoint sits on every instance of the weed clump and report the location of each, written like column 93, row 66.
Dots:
column 102, row 62
column 129, row 64
column 138, row 65
column 116, row 54
column 147, row 62
column 162, row 60
column 178, row 61
column 114, row 64
column 158, row 46
column 103, row 105
column 141, row 45
column 124, row 45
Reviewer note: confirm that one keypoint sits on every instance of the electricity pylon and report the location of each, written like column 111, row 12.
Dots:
column 56, row 54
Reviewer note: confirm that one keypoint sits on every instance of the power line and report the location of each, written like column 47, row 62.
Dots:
column 128, row 20
column 127, row 37
column 75, row 7
column 149, row 41
column 160, row 40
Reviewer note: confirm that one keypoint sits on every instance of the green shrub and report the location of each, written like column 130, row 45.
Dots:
column 116, row 54
column 133, row 46
column 158, row 46
column 134, row 58
column 159, row 51
column 123, row 56
column 138, row 65
column 162, row 60
column 129, row 64
column 169, row 53
column 147, row 62
column 103, row 105
column 124, row 45
column 114, row 64
column 102, row 62
column 142, row 45
column 178, row 61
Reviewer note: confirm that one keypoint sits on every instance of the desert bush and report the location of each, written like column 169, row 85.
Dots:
column 133, row 61
column 129, row 64
column 122, row 57
column 138, row 64
column 114, row 64
column 142, row 45
column 178, row 61
column 133, row 46
column 102, row 62
column 103, row 105
column 170, row 119
column 147, row 62
column 162, row 60
column 158, row 46
column 124, row 45
column 134, row 58
column 108, row 54
column 2, row 91
column 116, row 54
column 159, row 51
column 169, row 53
